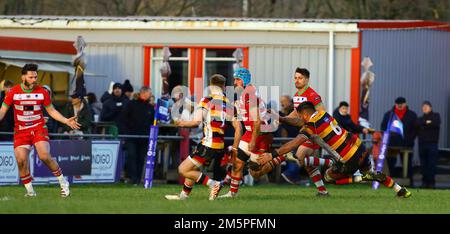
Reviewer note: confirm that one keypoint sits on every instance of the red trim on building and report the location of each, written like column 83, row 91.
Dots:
column 37, row 45
column 245, row 62
column 147, row 65
column 409, row 24
column 355, row 82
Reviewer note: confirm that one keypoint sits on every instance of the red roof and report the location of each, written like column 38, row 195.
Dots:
column 37, row 45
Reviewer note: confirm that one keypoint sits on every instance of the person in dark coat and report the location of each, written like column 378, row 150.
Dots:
column 137, row 116
column 7, row 125
column 127, row 89
column 113, row 106
column 428, row 132
column 408, row 118
column 80, row 108
column 344, row 119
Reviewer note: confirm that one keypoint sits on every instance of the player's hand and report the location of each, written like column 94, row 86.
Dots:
column 234, row 153
column 264, row 158
column 178, row 123
column 72, row 123
column 251, row 146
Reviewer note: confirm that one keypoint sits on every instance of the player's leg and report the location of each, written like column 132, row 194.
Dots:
column 43, row 151
column 190, row 169
column 313, row 172
column 236, row 173
column 317, row 162
column 21, row 153
column 369, row 175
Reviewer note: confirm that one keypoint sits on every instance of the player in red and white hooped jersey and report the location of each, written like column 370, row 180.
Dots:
column 258, row 137
column 304, row 93
column 28, row 100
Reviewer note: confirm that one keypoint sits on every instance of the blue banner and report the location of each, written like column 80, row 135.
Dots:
column 394, row 125
column 151, row 152
column 163, row 111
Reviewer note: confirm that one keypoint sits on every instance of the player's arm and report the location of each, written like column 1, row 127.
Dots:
column 286, row 148
column 237, row 134
column 198, row 117
column 3, row 111
column 292, row 119
column 254, row 114
column 71, row 122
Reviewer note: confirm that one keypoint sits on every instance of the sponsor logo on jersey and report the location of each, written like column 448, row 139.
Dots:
column 28, row 103
column 27, row 113
column 28, row 118
column 26, row 96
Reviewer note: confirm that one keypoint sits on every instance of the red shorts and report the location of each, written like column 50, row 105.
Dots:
column 30, row 137
column 311, row 145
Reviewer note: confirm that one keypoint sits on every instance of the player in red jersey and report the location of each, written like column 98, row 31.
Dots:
column 214, row 111
column 304, row 93
column 28, row 100
column 346, row 148
column 258, row 137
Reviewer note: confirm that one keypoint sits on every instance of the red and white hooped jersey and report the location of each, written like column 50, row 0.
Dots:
column 27, row 106
column 250, row 99
column 308, row 94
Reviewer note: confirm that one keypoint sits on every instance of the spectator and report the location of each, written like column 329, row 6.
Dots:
column 292, row 172
column 408, row 119
column 96, row 107
column 113, row 106
column 344, row 120
column 7, row 125
column 127, row 89
column 52, row 124
column 152, row 100
column 80, row 108
column 287, row 106
column 428, row 133
column 137, row 115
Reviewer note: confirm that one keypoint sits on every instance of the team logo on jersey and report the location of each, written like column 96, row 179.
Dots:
column 326, row 119
column 298, row 99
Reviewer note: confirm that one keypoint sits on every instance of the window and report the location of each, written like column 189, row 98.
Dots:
column 179, row 65
column 220, row 61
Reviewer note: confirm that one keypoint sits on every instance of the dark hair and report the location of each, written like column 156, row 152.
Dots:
column 427, row 103
column 303, row 71
column 8, row 84
column 343, row 103
column 29, row 67
column 305, row 106
column 91, row 98
column 217, row 80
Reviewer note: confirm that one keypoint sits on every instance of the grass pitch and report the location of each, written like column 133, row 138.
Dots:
column 260, row 199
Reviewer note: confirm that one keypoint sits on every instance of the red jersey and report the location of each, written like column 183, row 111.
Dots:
column 27, row 106
column 307, row 94
column 248, row 100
